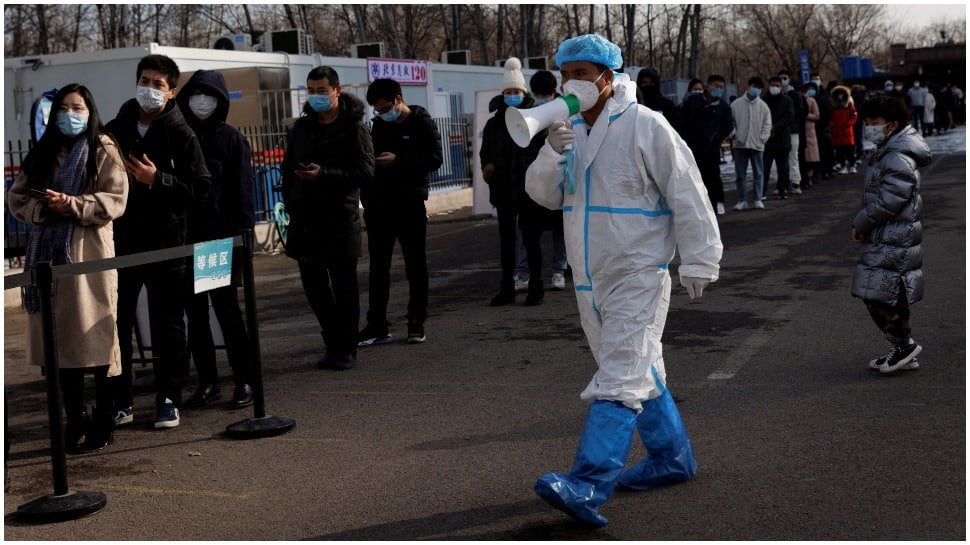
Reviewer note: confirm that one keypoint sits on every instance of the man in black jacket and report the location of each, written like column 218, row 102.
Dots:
column 779, row 143
column 167, row 175
column 204, row 101
column 407, row 146
column 707, row 122
column 797, row 152
column 329, row 156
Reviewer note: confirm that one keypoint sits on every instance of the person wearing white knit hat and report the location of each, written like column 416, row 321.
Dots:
column 503, row 169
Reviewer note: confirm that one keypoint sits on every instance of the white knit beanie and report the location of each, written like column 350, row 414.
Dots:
column 513, row 78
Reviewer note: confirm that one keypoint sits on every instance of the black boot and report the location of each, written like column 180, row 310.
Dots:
column 536, row 292
column 100, row 433
column 76, row 428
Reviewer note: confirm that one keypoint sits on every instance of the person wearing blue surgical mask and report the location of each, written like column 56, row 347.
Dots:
column 707, row 123
column 752, row 127
column 503, row 169
column 407, row 147
column 811, row 154
column 328, row 156
column 72, row 187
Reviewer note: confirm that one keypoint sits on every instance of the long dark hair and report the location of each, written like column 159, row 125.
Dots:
column 42, row 159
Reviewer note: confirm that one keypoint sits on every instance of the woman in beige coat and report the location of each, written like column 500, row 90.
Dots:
column 812, row 157
column 71, row 187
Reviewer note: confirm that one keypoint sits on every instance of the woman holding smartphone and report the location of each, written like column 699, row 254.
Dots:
column 71, row 186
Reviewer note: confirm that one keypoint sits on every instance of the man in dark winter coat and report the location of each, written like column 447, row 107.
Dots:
column 503, row 168
column 168, row 176
column 329, row 156
column 648, row 85
column 407, row 146
column 707, row 122
column 779, row 143
column 204, row 101
column 797, row 132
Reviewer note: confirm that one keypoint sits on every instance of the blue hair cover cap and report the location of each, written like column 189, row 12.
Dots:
column 590, row 47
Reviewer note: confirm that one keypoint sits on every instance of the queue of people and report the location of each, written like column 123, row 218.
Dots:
column 166, row 172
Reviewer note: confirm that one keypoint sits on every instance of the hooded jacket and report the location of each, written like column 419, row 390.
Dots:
column 228, row 210
column 843, row 118
column 891, row 259
column 651, row 98
column 782, row 121
column 157, row 217
column 637, row 199
column 416, row 144
column 324, row 214
column 506, row 187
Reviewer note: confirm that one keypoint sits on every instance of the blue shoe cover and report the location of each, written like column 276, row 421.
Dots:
column 670, row 457
column 600, row 457
column 571, row 496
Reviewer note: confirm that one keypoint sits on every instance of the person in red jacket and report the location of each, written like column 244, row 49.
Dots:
column 843, row 138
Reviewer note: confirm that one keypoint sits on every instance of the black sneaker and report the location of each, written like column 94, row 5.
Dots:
column 877, row 363
column 372, row 334
column 899, row 357
column 415, row 332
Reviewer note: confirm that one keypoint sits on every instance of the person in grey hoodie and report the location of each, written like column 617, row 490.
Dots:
column 227, row 212
column 889, row 276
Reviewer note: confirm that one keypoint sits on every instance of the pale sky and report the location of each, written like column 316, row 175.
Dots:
column 919, row 15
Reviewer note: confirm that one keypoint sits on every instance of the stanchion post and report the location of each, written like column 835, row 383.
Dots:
column 63, row 504
column 260, row 425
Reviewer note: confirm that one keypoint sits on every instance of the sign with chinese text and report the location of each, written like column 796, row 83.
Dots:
column 212, row 263
column 403, row 71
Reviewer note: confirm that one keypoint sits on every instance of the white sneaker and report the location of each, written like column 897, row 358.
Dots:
column 720, row 209
column 740, row 206
column 844, row 171
column 796, row 189
column 759, row 205
column 877, row 363
column 852, row 170
column 558, row 281
column 522, row 286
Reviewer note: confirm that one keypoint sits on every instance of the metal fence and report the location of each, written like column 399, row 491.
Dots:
column 268, row 143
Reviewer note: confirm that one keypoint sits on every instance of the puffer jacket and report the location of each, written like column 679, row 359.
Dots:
column 890, row 260
column 843, row 118
column 325, row 213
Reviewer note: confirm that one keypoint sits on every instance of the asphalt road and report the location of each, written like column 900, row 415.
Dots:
column 795, row 437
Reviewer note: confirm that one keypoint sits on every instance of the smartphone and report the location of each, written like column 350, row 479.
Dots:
column 38, row 193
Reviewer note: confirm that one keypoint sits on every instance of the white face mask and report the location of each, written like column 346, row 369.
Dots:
column 774, row 90
column 585, row 91
column 150, row 100
column 203, row 105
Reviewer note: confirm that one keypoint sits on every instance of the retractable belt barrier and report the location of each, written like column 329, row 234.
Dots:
column 66, row 504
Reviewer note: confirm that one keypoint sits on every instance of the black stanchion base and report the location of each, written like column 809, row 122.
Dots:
column 254, row 428
column 51, row 508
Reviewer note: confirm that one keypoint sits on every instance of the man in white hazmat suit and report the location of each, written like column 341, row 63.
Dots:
column 631, row 194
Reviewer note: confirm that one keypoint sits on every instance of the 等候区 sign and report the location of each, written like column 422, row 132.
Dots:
column 403, row 71
column 212, row 264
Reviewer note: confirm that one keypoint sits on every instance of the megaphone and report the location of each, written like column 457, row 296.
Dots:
column 525, row 124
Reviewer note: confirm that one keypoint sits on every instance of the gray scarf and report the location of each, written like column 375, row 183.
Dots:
column 52, row 241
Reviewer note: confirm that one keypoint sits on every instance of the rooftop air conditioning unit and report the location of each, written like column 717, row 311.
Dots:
column 294, row 41
column 233, row 42
column 537, row 63
column 363, row 51
column 462, row 56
